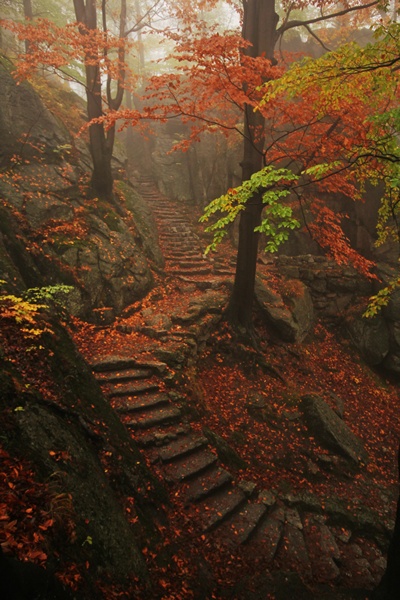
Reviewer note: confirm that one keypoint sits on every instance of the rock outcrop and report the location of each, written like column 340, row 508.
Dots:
column 331, row 430
column 104, row 250
column 76, row 443
column 335, row 292
column 291, row 319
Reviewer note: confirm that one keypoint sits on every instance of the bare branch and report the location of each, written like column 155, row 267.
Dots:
column 298, row 23
column 314, row 35
column 141, row 23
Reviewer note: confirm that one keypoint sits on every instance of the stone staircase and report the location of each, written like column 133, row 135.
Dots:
column 289, row 532
column 293, row 533
column 182, row 248
column 184, row 458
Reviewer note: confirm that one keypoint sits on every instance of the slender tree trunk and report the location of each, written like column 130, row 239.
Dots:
column 141, row 56
column 129, row 138
column 259, row 28
column 100, row 148
column 28, row 14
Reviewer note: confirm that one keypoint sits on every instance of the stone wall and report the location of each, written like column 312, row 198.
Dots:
column 340, row 295
column 333, row 288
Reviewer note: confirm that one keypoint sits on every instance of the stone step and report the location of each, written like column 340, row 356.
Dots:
column 164, row 214
column 127, row 405
column 113, row 363
column 270, row 532
column 181, row 447
column 225, row 273
column 241, row 525
column 178, row 254
column 177, row 232
column 207, row 483
column 120, row 363
column 155, row 417
column 178, row 239
column 130, row 389
column 184, row 256
column 153, row 439
column 180, row 243
column 196, row 262
column 188, row 250
column 195, row 271
column 124, row 375
column 220, row 505
column 189, row 466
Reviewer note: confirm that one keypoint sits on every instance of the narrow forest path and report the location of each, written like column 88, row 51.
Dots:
column 215, row 512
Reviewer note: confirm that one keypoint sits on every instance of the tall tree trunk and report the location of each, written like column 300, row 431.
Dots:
column 129, row 137
column 100, row 148
column 28, row 14
column 259, row 27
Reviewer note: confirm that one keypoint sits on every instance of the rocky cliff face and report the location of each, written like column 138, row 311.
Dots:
column 53, row 414
column 52, row 411
column 50, row 231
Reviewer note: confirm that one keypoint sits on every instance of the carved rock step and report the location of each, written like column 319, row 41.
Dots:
column 124, row 375
column 224, row 270
column 155, row 417
column 170, row 254
column 270, row 533
column 130, row 389
column 179, row 243
column 181, row 447
column 174, row 228
column 185, row 253
column 164, row 213
column 207, row 483
column 175, row 232
column 218, row 507
column 195, row 271
column 187, row 264
column 241, row 525
column 323, row 550
column 168, row 209
column 153, row 439
column 189, row 466
column 137, row 403
column 183, row 238
column 120, row 363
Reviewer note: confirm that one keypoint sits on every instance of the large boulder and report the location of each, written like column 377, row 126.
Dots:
column 211, row 302
column 371, row 337
column 116, row 272
column 292, row 318
column 27, row 127
column 330, row 430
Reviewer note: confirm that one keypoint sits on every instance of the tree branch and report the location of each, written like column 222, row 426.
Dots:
column 141, row 23
column 313, row 34
column 297, row 23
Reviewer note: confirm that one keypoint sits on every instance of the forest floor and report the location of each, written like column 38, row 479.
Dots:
column 224, row 377
column 252, row 400
column 278, row 452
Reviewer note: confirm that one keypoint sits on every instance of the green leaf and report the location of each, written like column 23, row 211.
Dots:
column 274, row 186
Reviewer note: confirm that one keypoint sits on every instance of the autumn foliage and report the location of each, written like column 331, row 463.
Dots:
column 325, row 127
